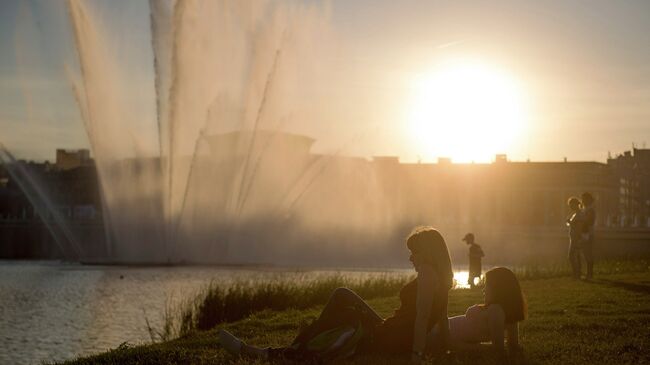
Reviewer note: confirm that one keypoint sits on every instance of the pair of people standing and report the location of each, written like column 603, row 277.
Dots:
column 420, row 325
column 581, row 234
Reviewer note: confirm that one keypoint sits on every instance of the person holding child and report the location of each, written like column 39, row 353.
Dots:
column 575, row 222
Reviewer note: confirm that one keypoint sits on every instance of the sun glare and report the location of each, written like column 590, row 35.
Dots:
column 467, row 112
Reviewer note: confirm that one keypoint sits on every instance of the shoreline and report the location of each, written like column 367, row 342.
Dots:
column 613, row 310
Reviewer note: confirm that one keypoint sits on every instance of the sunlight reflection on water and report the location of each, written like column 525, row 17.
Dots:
column 460, row 278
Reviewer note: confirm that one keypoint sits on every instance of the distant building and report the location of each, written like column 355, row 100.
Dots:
column 632, row 169
column 508, row 194
column 70, row 159
column 4, row 176
column 74, row 192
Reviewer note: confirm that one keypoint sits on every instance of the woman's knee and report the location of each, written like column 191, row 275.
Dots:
column 343, row 295
column 342, row 292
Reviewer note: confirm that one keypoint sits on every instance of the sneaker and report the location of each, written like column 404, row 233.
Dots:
column 229, row 342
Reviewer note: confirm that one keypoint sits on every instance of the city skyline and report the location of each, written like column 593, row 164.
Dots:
column 51, row 158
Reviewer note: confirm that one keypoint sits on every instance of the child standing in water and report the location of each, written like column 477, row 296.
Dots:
column 475, row 256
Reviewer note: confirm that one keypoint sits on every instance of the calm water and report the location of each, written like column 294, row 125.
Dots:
column 52, row 311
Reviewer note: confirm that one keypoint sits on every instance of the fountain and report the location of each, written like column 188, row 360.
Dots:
column 227, row 181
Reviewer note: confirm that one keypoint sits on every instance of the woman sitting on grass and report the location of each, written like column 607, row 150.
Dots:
column 423, row 305
column 503, row 309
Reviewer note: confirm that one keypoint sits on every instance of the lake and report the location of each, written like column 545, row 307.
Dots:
column 52, row 311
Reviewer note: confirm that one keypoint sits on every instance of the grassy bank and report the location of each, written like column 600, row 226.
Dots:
column 606, row 321
column 216, row 304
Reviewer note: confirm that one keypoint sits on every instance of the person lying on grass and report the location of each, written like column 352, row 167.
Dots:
column 423, row 305
column 498, row 317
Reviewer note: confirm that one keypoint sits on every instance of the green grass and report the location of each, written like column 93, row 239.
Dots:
column 546, row 270
column 216, row 304
column 606, row 321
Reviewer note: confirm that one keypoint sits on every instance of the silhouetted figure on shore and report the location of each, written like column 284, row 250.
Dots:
column 475, row 256
column 348, row 324
column 576, row 224
column 589, row 214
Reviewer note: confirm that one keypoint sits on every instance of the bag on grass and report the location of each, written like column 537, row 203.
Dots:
column 336, row 343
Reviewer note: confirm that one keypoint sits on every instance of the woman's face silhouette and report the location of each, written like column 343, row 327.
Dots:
column 415, row 258
column 575, row 207
column 488, row 292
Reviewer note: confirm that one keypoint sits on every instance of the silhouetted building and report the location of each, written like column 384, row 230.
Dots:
column 632, row 169
column 4, row 176
column 38, row 199
column 502, row 193
column 70, row 159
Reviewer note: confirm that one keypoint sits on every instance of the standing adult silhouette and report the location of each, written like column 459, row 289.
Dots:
column 589, row 214
column 575, row 222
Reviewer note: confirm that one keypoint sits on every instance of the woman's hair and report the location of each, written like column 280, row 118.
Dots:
column 429, row 242
column 587, row 198
column 573, row 200
column 507, row 293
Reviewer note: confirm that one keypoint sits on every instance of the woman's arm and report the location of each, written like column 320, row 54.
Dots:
column 496, row 324
column 512, row 330
column 467, row 346
column 427, row 281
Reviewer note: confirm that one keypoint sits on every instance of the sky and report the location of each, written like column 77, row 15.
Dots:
column 576, row 76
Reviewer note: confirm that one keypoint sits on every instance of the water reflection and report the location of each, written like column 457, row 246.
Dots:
column 460, row 279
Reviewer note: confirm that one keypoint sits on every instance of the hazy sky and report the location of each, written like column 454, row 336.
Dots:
column 583, row 68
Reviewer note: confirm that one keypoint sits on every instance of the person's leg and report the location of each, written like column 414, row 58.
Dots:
column 345, row 298
column 473, row 273
column 588, row 252
column 574, row 260
column 342, row 303
column 438, row 338
column 236, row 346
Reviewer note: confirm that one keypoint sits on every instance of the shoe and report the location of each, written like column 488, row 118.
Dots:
column 229, row 342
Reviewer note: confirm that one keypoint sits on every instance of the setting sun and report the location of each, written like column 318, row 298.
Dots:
column 466, row 111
